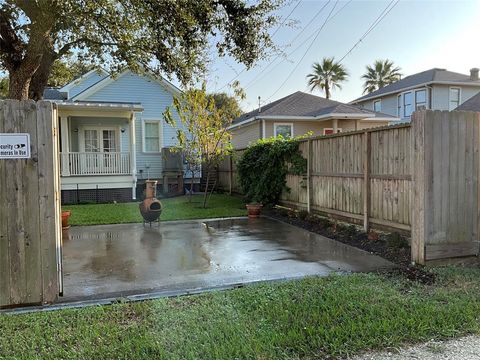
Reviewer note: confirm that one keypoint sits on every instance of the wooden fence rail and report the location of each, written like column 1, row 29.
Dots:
column 421, row 177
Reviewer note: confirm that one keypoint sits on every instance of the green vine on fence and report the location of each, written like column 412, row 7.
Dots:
column 263, row 167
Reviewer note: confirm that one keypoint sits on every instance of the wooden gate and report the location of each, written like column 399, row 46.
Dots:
column 30, row 226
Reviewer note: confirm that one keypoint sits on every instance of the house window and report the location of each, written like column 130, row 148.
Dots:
column 399, row 105
column 420, row 99
column 377, row 105
column 329, row 131
column 407, row 104
column 454, row 98
column 151, row 132
column 286, row 130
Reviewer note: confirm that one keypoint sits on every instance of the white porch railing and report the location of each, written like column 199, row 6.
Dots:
column 95, row 163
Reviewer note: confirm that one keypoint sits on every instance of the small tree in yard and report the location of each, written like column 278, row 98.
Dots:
column 203, row 137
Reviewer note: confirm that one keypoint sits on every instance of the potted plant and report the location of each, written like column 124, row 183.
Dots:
column 254, row 209
column 65, row 215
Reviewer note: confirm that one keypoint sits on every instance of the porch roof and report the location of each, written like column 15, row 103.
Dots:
column 100, row 105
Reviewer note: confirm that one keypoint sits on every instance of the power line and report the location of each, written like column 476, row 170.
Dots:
column 305, row 53
column 377, row 21
column 278, row 28
column 259, row 76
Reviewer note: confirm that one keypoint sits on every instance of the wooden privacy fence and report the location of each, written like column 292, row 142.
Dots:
column 29, row 207
column 369, row 177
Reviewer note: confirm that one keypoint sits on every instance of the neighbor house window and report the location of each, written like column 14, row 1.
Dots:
column 286, row 130
column 151, row 132
column 329, row 131
column 454, row 98
column 407, row 104
column 377, row 105
column 420, row 99
column 399, row 105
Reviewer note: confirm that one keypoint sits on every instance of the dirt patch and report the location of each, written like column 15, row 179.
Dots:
column 391, row 246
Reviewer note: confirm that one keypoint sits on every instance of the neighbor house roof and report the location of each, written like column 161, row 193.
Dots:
column 422, row 78
column 300, row 105
column 472, row 104
column 54, row 94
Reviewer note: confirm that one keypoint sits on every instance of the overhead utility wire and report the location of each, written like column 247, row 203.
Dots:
column 304, row 54
column 377, row 21
column 278, row 28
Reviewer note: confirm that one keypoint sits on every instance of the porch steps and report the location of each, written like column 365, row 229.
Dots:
column 211, row 182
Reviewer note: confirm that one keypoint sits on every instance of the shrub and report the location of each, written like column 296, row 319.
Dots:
column 396, row 240
column 263, row 167
column 303, row 214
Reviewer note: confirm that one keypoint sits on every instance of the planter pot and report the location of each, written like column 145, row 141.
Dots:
column 254, row 210
column 65, row 215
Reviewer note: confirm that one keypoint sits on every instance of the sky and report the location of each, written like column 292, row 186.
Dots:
column 415, row 35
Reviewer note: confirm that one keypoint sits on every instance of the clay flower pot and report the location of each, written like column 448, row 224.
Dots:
column 254, row 210
column 65, row 215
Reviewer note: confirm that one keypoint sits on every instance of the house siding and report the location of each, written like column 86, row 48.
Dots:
column 82, row 84
column 245, row 135
column 389, row 105
column 441, row 98
column 154, row 98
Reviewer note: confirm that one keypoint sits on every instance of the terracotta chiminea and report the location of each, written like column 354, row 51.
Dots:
column 151, row 207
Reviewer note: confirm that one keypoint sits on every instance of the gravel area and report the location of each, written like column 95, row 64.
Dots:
column 467, row 348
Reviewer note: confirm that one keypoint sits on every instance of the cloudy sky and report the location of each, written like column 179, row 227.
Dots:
column 416, row 35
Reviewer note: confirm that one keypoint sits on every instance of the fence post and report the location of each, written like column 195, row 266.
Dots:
column 230, row 174
column 309, row 175
column 418, row 203
column 367, row 148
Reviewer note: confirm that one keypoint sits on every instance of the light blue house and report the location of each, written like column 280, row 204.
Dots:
column 113, row 136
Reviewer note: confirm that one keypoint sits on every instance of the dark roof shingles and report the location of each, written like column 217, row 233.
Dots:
column 302, row 104
column 420, row 78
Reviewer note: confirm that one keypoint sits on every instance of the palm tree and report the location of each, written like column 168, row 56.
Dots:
column 327, row 75
column 380, row 74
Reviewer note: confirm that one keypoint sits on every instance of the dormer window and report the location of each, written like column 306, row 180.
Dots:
column 420, row 99
column 407, row 104
column 377, row 105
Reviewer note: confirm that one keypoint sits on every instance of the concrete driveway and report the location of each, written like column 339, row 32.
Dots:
column 119, row 260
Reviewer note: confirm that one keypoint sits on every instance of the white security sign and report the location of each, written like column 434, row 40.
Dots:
column 14, row 146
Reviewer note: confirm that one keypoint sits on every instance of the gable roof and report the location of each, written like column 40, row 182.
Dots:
column 54, row 94
column 82, row 78
column 434, row 75
column 111, row 78
column 472, row 104
column 300, row 104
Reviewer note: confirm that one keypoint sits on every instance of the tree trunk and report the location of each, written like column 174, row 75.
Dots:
column 190, row 196
column 206, row 188
column 327, row 90
column 40, row 78
column 19, row 84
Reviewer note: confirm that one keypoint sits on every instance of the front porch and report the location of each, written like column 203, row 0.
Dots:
column 97, row 150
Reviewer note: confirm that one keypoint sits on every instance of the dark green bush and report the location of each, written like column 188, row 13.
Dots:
column 263, row 167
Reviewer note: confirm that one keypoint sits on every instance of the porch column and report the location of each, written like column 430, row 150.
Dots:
column 357, row 123
column 65, row 139
column 335, row 126
column 133, row 157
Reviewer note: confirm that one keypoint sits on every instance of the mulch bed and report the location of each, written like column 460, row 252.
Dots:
column 391, row 246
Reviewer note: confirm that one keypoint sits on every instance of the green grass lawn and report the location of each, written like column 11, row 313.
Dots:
column 177, row 208
column 312, row 318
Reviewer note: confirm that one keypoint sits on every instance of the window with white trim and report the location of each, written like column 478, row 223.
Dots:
column 407, row 104
column 377, row 105
column 420, row 99
column 151, row 136
column 286, row 130
column 454, row 98
column 399, row 105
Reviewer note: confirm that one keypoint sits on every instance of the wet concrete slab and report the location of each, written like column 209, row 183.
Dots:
column 121, row 260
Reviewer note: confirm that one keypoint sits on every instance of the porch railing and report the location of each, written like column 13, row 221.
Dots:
column 95, row 163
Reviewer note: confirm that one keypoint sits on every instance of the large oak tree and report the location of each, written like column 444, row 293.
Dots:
column 172, row 37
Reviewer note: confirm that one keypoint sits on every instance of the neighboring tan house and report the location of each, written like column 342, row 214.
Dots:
column 435, row 89
column 472, row 104
column 113, row 135
column 300, row 113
